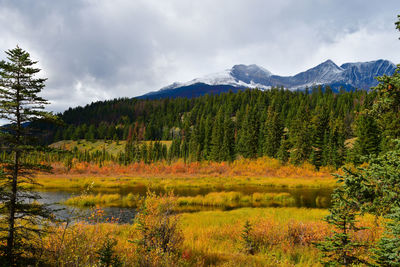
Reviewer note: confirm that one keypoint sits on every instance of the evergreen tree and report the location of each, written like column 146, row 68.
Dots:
column 319, row 131
column 373, row 189
column 387, row 252
column 207, row 138
column 301, row 134
column 228, row 140
column 387, row 107
column 341, row 249
column 91, row 133
column 368, row 138
column 217, row 137
column 106, row 254
column 335, row 149
column 274, row 132
column 19, row 105
column 247, row 144
column 194, row 145
column 283, row 153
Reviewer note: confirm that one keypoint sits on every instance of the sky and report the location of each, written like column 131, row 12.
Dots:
column 94, row 50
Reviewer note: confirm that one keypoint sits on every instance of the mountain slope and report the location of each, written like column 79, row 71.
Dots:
column 349, row 76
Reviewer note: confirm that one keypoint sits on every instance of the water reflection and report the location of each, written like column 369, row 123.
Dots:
column 304, row 197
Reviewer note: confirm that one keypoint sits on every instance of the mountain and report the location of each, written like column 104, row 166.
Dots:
column 349, row 76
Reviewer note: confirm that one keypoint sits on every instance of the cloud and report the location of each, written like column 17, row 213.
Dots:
column 97, row 49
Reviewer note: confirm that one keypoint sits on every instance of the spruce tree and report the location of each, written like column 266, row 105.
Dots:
column 319, row 130
column 20, row 105
column 228, row 140
column 217, row 137
column 387, row 107
column 283, row 153
column 274, row 132
column 368, row 138
column 247, row 145
column 388, row 252
column 342, row 249
column 336, row 150
column 300, row 135
column 207, row 138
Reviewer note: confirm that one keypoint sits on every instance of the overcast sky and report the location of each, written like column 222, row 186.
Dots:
column 101, row 49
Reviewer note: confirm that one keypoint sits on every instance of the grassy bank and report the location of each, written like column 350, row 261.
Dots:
column 263, row 166
column 223, row 200
column 261, row 172
column 283, row 237
column 111, row 183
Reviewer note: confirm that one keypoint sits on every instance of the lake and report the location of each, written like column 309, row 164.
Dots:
column 304, row 197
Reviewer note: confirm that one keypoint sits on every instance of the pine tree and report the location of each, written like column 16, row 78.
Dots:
column 217, row 137
column 336, row 149
column 341, row 249
column 91, row 133
column 207, row 138
column 228, row 140
column 247, row 144
column 274, row 132
column 20, row 105
column 283, row 153
column 301, row 134
column 249, row 245
column 387, row 252
column 194, row 145
column 368, row 137
column 319, row 136
column 106, row 254
column 387, row 107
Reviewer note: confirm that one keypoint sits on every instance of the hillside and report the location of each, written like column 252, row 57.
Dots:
column 112, row 147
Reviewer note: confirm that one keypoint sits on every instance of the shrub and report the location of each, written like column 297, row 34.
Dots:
column 160, row 239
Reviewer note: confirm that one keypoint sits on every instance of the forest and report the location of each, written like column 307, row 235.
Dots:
column 316, row 125
column 232, row 179
column 265, row 154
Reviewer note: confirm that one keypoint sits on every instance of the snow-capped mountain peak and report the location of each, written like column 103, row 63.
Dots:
column 250, row 76
column 359, row 75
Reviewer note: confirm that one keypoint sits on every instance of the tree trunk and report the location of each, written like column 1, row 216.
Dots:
column 13, row 198
column 11, row 219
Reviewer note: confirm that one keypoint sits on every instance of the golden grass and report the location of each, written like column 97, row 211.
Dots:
column 261, row 172
column 284, row 237
column 109, row 183
column 223, row 200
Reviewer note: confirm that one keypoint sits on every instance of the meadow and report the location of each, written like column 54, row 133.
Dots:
column 281, row 237
column 211, row 221
column 112, row 147
column 260, row 172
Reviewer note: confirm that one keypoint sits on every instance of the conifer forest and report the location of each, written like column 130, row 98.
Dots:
column 237, row 168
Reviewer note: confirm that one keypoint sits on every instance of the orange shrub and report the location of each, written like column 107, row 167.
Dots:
column 262, row 167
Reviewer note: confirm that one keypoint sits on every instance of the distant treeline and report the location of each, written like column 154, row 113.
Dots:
column 315, row 125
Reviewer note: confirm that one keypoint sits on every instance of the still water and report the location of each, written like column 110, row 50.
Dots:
column 304, row 197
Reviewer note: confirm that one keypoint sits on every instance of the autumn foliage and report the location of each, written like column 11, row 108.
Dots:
column 265, row 167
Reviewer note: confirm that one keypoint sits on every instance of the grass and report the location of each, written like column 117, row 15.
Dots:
column 112, row 147
column 104, row 200
column 283, row 236
column 260, row 172
column 103, row 183
column 223, row 200
column 218, row 233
